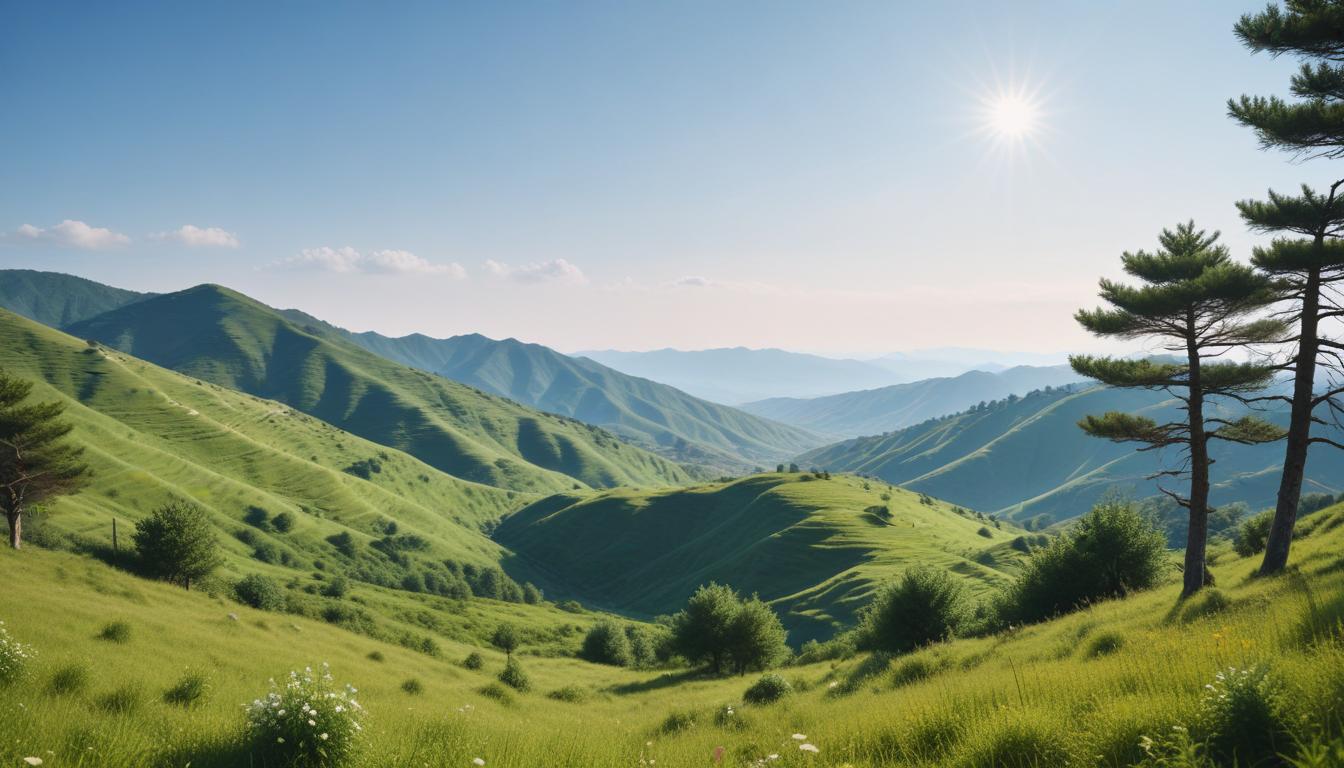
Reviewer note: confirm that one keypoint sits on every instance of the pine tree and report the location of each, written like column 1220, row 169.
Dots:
column 1197, row 300
column 1313, row 262
column 36, row 461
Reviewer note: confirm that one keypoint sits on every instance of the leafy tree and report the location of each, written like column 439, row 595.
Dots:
column 505, row 639
column 532, row 594
column 1196, row 300
column 176, row 543
column 926, row 605
column 756, row 638
column 607, row 643
column 700, row 630
column 36, row 461
column 260, row 591
column 1311, row 258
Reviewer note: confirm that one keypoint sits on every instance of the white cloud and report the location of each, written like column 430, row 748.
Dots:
column 195, row 237
column 553, row 271
column 349, row 260
column 692, row 281
column 73, row 234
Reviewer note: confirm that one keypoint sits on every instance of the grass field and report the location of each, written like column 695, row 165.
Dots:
column 814, row 548
column 1081, row 690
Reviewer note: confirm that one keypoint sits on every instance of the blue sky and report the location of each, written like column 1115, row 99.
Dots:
column 813, row 176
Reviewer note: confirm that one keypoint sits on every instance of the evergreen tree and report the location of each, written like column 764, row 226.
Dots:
column 1312, row 262
column 176, row 543
column 1197, row 300
column 36, row 462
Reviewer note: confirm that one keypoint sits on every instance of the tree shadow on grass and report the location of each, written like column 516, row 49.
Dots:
column 665, row 680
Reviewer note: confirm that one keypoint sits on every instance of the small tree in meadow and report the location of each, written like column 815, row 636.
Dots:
column 607, row 643
column 924, row 606
column 756, row 638
column 700, row 630
column 505, row 639
column 177, row 543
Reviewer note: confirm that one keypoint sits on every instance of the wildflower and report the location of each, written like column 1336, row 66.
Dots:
column 478, row 761
column 799, row 737
column 322, row 736
column 718, row 754
column 33, row 760
column 809, row 748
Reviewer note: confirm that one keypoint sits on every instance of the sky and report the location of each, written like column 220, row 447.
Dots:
column 825, row 177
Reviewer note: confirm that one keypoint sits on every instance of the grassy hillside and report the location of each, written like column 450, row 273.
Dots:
column 871, row 411
column 225, row 338
column 654, row 416
column 1081, row 690
column 58, row 300
column 1028, row 459
column 814, row 548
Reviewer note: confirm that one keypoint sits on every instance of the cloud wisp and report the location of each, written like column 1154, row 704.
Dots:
column 193, row 236
column 388, row 262
column 552, row 271
column 71, row 233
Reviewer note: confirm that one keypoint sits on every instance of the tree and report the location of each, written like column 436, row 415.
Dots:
column 36, row 461
column 756, row 638
column 700, row 630
column 1197, row 301
column 1313, row 262
column 926, row 605
column 176, row 543
column 505, row 639
column 607, row 643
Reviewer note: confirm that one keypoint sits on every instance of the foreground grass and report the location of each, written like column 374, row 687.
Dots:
column 1082, row 690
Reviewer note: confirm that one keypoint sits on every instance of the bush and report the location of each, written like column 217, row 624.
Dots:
column 513, row 676
column 570, row 693
column 570, row 606
column 912, row 670
column 607, row 643
column 122, row 700
column 769, row 689
column 1253, row 534
column 1104, row 644
column 177, row 543
column 473, row 661
column 260, row 591
column 288, row 730
column 677, row 722
column 337, row 587
column 1207, row 603
column 68, row 680
column 497, row 692
column 925, row 606
column 1242, row 717
column 1111, row 551
column 988, row 534
column 116, row 632
column 413, row 686
column 376, row 656
column 283, row 522
column 258, row 518
column 187, row 691
column 14, row 658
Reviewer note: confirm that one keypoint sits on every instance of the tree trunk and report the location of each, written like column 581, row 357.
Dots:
column 1197, row 536
column 15, row 529
column 1299, row 431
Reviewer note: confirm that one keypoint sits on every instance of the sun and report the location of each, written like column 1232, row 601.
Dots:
column 1012, row 116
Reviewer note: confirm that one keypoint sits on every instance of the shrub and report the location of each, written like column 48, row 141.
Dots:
column 473, row 661
column 376, row 656
column 1242, row 716
column 570, row 606
column 1253, row 534
column 116, row 632
column 570, row 693
column 122, row 700
column 187, row 691
column 258, row 518
column 607, row 643
column 287, row 729
column 988, row 534
column 266, row 552
column 413, row 686
column 912, row 670
column 1111, row 551
column 68, row 680
column 1104, row 644
column 1015, row 742
column 177, row 543
column 1207, row 603
column 677, row 722
column 925, row 606
column 769, row 689
column 14, row 658
column 497, row 692
column 283, row 522
column 337, row 587
column 260, row 591
column 514, row 676
column 727, row 717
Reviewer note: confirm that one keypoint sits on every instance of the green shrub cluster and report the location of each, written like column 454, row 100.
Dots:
column 769, row 689
column 719, row 628
column 926, row 605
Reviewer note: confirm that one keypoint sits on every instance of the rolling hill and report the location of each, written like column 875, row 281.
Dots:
column 815, row 548
column 868, row 412
column 57, row 300
column 1027, row 459
column 654, row 416
column 223, row 337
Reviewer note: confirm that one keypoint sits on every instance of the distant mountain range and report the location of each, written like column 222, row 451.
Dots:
column 231, row 340
column 872, row 411
column 1027, row 459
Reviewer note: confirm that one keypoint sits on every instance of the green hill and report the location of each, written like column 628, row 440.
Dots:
column 654, row 416
column 1026, row 458
column 223, row 337
column 814, row 548
column 870, row 411
column 57, row 300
